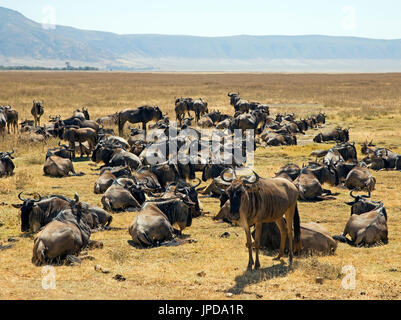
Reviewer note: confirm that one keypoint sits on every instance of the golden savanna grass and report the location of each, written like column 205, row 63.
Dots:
column 369, row 104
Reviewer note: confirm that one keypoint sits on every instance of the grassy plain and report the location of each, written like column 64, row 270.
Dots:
column 370, row 104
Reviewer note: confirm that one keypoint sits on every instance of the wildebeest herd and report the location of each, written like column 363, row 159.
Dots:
column 166, row 193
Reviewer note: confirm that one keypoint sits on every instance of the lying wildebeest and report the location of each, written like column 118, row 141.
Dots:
column 310, row 188
column 112, row 154
column 205, row 122
column 337, row 134
column 185, row 191
column 154, row 223
column 6, row 164
column 62, row 151
column 367, row 225
column 360, row 179
column 315, row 239
column 36, row 213
column 59, row 167
column 291, row 170
column 381, row 158
column 142, row 115
column 37, row 111
column 64, row 237
column 265, row 200
column 119, row 197
column 341, row 152
column 107, row 177
column 279, row 139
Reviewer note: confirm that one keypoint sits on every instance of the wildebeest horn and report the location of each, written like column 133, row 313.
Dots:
column 199, row 183
column 368, row 196
column 352, row 194
column 222, row 176
column 22, row 199
column 246, row 181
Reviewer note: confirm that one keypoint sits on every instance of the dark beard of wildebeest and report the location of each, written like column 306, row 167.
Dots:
column 265, row 200
column 37, row 111
column 142, row 115
column 6, row 164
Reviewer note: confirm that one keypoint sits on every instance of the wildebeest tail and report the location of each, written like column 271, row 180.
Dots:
column 297, row 230
column 343, row 239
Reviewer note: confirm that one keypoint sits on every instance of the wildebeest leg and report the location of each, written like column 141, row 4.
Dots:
column 283, row 232
column 80, row 148
column 258, row 233
column 289, row 215
column 144, row 126
column 249, row 246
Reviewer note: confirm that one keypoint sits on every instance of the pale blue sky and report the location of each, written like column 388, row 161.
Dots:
column 362, row 18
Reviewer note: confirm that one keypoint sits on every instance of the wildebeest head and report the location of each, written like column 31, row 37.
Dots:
column 318, row 138
column 26, row 209
column 189, row 192
column 234, row 98
column 158, row 114
column 362, row 204
column 238, row 189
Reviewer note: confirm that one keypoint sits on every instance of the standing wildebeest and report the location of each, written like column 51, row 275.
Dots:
column 6, row 164
column 37, row 111
column 81, row 135
column 181, row 107
column 3, row 122
column 142, row 115
column 11, row 118
column 154, row 223
column 265, row 200
column 200, row 108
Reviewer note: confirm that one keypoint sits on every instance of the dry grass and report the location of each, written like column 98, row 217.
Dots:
column 369, row 104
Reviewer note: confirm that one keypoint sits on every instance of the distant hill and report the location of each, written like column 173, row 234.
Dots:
column 25, row 42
